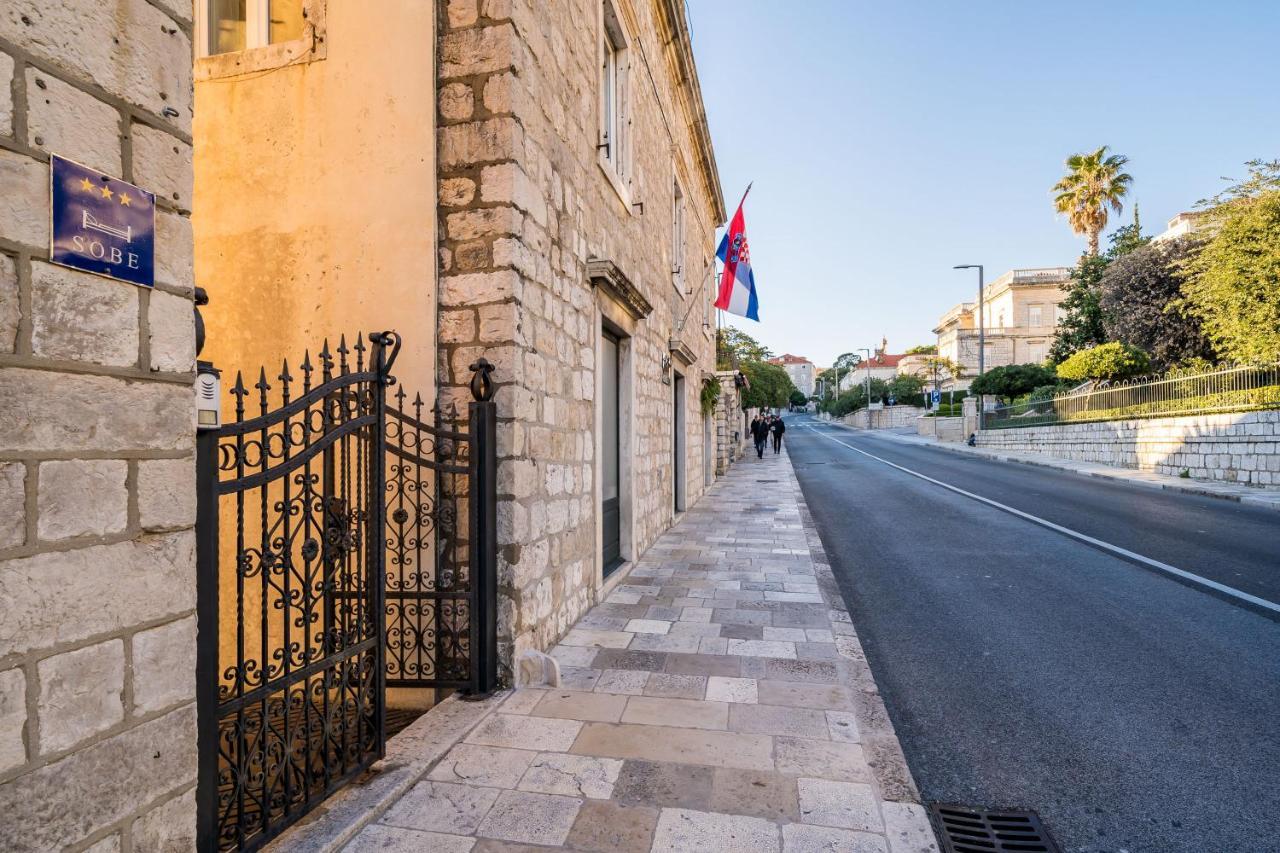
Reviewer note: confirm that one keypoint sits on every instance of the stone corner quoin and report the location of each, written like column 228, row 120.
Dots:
column 97, row 475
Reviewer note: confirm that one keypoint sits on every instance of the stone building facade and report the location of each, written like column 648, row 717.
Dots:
column 97, row 478
column 578, row 205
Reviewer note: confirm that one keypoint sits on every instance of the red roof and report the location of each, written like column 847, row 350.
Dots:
column 885, row 360
column 788, row 358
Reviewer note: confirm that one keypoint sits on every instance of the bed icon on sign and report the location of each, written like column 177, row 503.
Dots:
column 101, row 224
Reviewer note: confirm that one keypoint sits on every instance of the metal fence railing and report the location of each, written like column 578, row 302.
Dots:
column 1233, row 389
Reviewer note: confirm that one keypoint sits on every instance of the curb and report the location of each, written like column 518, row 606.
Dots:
column 1123, row 475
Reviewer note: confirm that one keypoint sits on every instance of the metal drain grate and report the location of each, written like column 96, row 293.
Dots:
column 968, row 830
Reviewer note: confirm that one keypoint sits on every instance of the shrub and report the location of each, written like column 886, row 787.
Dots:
column 1012, row 380
column 1107, row 361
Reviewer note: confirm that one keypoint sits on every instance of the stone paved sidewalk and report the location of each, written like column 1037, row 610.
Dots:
column 718, row 700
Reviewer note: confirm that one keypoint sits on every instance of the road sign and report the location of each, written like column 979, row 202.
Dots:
column 937, row 396
column 100, row 224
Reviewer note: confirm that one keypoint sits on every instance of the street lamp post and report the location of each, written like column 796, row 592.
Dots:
column 982, row 311
column 868, row 386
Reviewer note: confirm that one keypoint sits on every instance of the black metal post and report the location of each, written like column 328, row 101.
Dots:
column 207, row 676
column 483, row 415
column 376, row 532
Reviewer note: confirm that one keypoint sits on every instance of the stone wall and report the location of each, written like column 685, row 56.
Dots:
column 97, row 478
column 731, row 436
column 890, row 417
column 1236, row 448
column 525, row 204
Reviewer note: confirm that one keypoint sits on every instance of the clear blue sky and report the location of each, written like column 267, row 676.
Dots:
column 889, row 141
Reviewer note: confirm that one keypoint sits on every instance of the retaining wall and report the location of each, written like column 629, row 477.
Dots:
column 890, row 417
column 1242, row 447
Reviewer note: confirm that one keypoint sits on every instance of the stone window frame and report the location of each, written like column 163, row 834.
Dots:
column 614, row 154
column 311, row 47
column 679, row 237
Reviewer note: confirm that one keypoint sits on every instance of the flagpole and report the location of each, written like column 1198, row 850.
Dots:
column 744, row 195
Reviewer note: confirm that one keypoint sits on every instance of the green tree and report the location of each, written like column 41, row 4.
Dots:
column 1140, row 295
column 1109, row 361
column 770, row 386
column 798, row 398
column 904, row 386
column 1083, row 323
column 923, row 349
column 734, row 347
column 1233, row 284
column 1013, row 380
column 1094, row 182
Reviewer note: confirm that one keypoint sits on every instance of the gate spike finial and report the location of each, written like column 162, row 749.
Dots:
column 359, row 348
column 238, row 391
column 306, row 370
column 285, row 379
column 400, row 395
column 262, row 387
column 326, row 361
column 342, row 354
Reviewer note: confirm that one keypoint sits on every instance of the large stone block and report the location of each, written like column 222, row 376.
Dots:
column 465, row 145
column 65, row 120
column 81, row 694
column 164, row 665
column 64, row 596
column 174, row 250
column 61, row 803
column 166, row 493
column 81, row 497
column 128, row 47
column 482, row 50
column 13, row 718
column 6, row 95
column 457, row 101
column 476, row 288
column 43, row 411
column 171, row 327
column 10, row 310
column 81, row 317
column 24, row 191
column 162, row 164
column 507, row 182
column 13, row 504
column 486, row 222
column 168, row 828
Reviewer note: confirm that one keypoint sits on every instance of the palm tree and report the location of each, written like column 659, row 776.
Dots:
column 1093, row 183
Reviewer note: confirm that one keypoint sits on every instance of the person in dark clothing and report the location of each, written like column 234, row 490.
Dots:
column 778, row 429
column 759, row 434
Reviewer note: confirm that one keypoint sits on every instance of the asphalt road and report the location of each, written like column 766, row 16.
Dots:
column 1024, row 668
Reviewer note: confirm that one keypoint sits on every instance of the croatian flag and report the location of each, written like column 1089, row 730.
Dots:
column 737, row 284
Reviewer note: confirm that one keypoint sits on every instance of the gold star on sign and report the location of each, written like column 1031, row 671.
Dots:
column 124, row 199
column 86, row 185
column 106, row 192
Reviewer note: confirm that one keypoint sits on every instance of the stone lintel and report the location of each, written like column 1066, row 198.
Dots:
column 682, row 352
column 606, row 276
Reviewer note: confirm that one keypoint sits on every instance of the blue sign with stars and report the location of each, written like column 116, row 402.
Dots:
column 102, row 225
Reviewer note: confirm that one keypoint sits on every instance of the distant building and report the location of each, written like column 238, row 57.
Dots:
column 882, row 365
column 1020, row 311
column 1181, row 225
column 800, row 369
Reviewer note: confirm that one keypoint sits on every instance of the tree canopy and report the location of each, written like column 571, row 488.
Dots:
column 1139, row 297
column 734, row 346
column 1109, row 361
column 1233, row 284
column 1081, row 325
column 1013, row 380
column 923, row 349
column 770, row 386
column 1095, row 181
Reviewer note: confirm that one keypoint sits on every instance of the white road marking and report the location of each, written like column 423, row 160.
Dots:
column 1269, row 607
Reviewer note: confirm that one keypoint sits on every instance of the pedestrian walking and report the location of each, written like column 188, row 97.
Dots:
column 778, row 429
column 759, row 434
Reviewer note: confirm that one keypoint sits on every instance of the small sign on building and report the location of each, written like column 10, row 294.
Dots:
column 101, row 224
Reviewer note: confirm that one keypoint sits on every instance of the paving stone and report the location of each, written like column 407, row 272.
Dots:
column 676, row 686
column 376, row 838
column 822, row 759
column 848, row 805
column 629, row 659
column 685, row 713
column 816, row 651
column 907, row 827
column 798, row 694
column 684, row 830
column 574, row 655
column 754, row 792
column 680, row 644
column 801, row 670
column 578, row 705
column 843, row 726
column 713, row 646
column 579, row 677
column 648, row 626
column 742, row 617
column 517, row 732
column 625, row 681
column 663, row 612
column 686, row 746
column 522, row 701
column 721, row 689
column 795, row 635
column 778, row 720
column 746, row 632
column 490, row 766
column 762, row 648
column 722, row 665
column 591, row 637
column 610, row 827
column 802, row 838
column 572, row 775
column 441, row 807
column 531, row 818
column 695, row 629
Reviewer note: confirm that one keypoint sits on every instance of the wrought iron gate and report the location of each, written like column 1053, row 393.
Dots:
column 342, row 544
